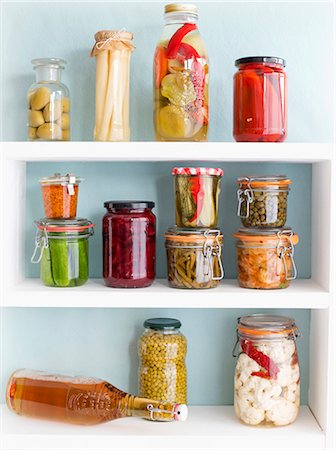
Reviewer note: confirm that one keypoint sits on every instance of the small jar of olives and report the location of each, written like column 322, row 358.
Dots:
column 162, row 350
column 48, row 102
column 262, row 200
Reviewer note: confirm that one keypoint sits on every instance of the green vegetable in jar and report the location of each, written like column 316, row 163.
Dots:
column 268, row 209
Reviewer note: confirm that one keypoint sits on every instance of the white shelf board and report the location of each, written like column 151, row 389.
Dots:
column 167, row 151
column 214, row 427
column 305, row 294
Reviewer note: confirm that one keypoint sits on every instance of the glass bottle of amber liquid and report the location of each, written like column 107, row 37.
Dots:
column 81, row 400
column 181, row 78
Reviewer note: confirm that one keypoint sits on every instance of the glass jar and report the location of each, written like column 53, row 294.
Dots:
column 260, row 100
column 194, row 258
column 48, row 102
column 196, row 195
column 112, row 50
column 162, row 351
column 63, row 251
column 267, row 375
column 262, row 200
column 181, row 78
column 129, row 235
column 265, row 257
column 60, row 195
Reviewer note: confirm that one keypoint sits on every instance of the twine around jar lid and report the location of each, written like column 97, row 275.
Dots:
column 112, row 40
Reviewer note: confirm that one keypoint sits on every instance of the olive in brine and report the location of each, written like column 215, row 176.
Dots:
column 35, row 118
column 40, row 98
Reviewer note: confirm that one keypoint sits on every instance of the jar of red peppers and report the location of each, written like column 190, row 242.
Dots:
column 265, row 257
column 260, row 100
column 267, row 375
column 129, row 235
column 181, row 78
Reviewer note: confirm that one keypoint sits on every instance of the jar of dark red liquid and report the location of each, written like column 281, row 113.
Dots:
column 129, row 234
column 260, row 100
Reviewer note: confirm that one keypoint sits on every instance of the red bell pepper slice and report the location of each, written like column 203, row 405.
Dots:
column 263, row 360
column 175, row 41
column 197, row 193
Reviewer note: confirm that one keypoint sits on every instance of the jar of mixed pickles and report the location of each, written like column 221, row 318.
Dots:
column 129, row 237
column 196, row 195
column 267, row 375
column 262, row 200
column 260, row 100
column 181, row 78
column 194, row 258
column 62, row 249
column 48, row 102
column 265, row 257
column 162, row 351
column 60, row 195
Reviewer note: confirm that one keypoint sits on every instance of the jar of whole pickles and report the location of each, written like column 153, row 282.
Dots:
column 48, row 102
column 265, row 258
column 129, row 240
column 260, row 100
column 181, row 78
column 194, row 258
column 162, row 351
column 262, row 200
column 267, row 375
column 196, row 196
column 62, row 250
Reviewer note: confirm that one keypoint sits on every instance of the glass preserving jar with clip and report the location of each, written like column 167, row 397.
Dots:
column 262, row 200
column 265, row 257
column 194, row 257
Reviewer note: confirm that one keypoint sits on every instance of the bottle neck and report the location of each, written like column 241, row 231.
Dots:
column 151, row 409
column 180, row 18
column 47, row 74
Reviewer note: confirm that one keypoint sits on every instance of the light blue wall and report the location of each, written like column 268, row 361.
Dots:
column 102, row 342
column 301, row 32
column 152, row 181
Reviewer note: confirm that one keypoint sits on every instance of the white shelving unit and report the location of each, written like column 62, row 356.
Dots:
column 208, row 427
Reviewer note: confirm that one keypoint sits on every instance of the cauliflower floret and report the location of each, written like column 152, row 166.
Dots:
column 292, row 393
column 266, row 392
column 248, row 413
column 288, row 374
column 245, row 366
column 283, row 412
column 279, row 352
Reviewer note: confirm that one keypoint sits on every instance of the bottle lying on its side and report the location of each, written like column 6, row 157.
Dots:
column 81, row 400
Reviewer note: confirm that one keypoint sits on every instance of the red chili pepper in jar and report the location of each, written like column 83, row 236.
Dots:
column 176, row 40
column 263, row 360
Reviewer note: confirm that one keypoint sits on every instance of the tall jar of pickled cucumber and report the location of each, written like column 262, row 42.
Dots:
column 48, row 102
column 181, row 78
column 162, row 350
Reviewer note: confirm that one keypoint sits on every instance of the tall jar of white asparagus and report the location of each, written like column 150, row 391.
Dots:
column 113, row 53
column 267, row 375
column 48, row 102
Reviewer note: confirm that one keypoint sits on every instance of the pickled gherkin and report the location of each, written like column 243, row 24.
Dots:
column 64, row 253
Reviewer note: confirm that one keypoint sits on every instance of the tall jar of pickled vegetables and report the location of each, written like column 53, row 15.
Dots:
column 129, row 239
column 162, row 351
column 48, row 102
column 260, row 100
column 265, row 257
column 181, row 78
column 267, row 375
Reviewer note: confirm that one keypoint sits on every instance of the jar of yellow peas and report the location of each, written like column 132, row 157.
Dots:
column 162, row 350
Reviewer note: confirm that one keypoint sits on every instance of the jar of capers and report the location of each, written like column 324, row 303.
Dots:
column 262, row 200
column 162, row 350
column 48, row 102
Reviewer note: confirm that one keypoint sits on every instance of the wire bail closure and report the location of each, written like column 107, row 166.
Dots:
column 284, row 250
column 245, row 195
column 153, row 410
column 208, row 251
column 42, row 242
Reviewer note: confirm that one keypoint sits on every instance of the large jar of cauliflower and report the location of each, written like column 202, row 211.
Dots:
column 162, row 350
column 267, row 375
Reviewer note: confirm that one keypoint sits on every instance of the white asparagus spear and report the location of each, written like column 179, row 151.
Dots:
column 108, row 108
column 101, row 86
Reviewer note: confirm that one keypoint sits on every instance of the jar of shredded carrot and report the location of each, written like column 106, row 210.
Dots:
column 60, row 195
column 265, row 257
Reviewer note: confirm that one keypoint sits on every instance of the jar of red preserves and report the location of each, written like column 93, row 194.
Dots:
column 260, row 100
column 129, row 235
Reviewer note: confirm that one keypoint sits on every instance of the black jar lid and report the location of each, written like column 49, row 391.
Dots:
column 129, row 204
column 160, row 323
column 261, row 59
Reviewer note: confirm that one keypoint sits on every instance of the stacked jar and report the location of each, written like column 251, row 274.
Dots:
column 265, row 246
column 61, row 242
column 194, row 245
